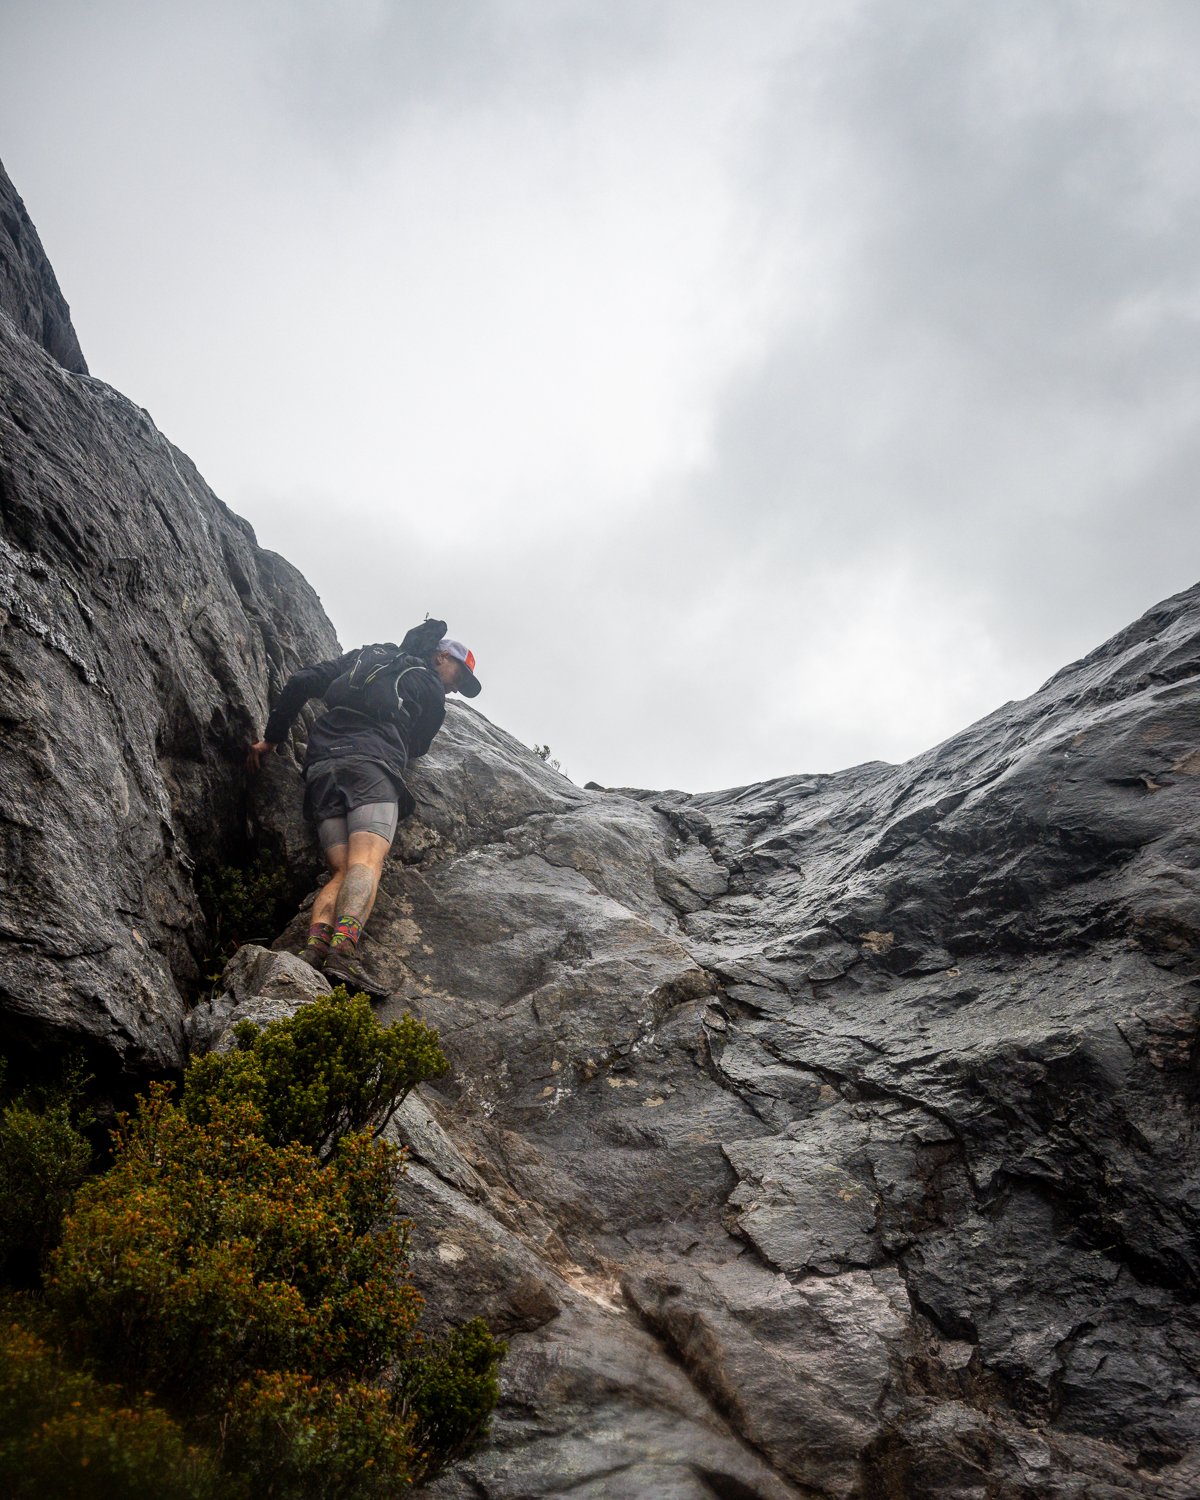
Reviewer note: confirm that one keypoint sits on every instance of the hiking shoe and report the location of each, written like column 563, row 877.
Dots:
column 344, row 968
column 315, row 957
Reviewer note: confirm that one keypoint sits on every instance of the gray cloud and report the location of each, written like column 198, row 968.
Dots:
column 756, row 390
column 1007, row 381
column 347, row 73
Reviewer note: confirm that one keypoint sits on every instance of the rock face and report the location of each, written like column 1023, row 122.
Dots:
column 141, row 631
column 870, row 1096
column 828, row 1137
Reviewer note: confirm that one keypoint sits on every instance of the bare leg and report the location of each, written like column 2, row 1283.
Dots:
column 367, row 852
column 360, row 884
column 325, row 905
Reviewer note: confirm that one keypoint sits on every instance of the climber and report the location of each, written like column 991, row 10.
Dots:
column 384, row 706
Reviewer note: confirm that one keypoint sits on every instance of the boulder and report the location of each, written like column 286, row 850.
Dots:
column 885, row 1128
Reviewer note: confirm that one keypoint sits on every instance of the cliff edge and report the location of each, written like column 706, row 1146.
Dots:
column 29, row 290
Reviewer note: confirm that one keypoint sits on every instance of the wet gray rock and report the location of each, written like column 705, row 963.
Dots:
column 256, row 985
column 890, row 1116
column 141, row 633
column 804, row 1366
column 833, row 1136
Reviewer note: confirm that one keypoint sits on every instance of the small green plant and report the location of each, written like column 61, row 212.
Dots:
column 244, row 905
column 330, row 1069
column 543, row 753
column 43, row 1158
column 64, row 1433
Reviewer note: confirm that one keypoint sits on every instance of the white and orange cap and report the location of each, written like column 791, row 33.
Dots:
column 471, row 685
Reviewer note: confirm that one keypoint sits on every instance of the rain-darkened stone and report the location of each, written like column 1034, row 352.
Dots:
column 141, row 633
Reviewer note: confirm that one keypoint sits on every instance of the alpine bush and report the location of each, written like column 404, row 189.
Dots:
column 242, row 1259
column 322, row 1073
column 63, row 1433
column 43, row 1159
column 450, row 1387
column 297, row 1439
column 206, row 1253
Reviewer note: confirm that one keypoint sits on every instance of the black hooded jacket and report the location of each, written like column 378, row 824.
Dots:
column 346, row 732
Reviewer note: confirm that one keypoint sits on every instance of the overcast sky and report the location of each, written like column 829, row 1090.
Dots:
column 756, row 387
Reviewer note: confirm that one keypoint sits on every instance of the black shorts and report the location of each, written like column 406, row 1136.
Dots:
column 333, row 788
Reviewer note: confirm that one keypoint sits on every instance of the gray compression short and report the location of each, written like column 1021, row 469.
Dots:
column 372, row 817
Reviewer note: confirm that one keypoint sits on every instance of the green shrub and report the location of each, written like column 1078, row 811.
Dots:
column 43, row 1159
column 450, row 1388
column 244, row 905
column 242, row 1259
column 329, row 1069
column 206, row 1254
column 63, row 1433
column 295, row 1439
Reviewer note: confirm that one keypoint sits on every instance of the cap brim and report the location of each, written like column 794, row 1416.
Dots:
column 468, row 684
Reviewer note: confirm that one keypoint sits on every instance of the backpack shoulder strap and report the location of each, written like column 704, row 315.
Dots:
column 372, row 660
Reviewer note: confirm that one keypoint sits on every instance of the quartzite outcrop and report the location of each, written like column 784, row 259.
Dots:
column 834, row 1136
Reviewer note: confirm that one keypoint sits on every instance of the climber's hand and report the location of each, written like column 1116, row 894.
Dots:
column 255, row 754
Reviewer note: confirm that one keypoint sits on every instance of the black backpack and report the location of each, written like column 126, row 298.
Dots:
column 374, row 685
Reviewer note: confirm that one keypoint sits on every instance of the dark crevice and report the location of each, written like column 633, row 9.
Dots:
column 729, row 1487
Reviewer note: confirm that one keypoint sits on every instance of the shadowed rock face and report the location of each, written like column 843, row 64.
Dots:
column 141, row 630
column 828, row 1137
